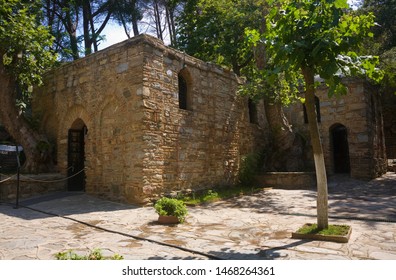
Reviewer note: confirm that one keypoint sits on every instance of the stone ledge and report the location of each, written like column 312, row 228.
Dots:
column 287, row 180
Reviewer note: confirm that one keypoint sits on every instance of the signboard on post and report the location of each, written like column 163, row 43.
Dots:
column 8, row 158
column 9, row 162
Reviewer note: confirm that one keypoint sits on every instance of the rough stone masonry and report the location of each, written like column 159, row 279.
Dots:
column 139, row 141
column 141, row 120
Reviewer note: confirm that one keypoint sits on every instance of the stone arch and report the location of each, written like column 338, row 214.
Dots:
column 71, row 115
column 185, row 89
column 339, row 148
column 72, row 118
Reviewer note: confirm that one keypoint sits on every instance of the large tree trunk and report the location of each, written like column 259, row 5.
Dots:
column 321, row 178
column 86, row 29
column 279, row 126
column 35, row 146
column 281, row 133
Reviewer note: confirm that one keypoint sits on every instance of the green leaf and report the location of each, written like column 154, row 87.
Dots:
column 341, row 4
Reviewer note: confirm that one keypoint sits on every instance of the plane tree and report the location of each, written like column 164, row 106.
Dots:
column 24, row 56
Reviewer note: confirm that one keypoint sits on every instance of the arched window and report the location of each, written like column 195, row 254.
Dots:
column 317, row 108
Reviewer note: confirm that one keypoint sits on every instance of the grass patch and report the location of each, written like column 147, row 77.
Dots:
column 96, row 254
column 337, row 230
column 207, row 196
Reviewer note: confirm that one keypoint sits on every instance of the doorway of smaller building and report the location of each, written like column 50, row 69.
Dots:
column 76, row 157
column 340, row 149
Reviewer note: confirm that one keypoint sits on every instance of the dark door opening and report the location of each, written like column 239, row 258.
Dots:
column 340, row 149
column 75, row 171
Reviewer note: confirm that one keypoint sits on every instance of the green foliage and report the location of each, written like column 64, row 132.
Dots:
column 24, row 43
column 171, row 207
column 388, row 64
column 384, row 41
column 96, row 254
column 213, row 30
column 321, row 35
column 385, row 29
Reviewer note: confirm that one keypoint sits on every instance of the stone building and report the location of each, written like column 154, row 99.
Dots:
column 140, row 119
column 351, row 128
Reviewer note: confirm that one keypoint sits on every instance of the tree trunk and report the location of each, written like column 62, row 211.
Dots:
column 71, row 28
column 158, row 24
column 135, row 24
column 281, row 132
column 19, row 129
column 321, row 178
column 86, row 29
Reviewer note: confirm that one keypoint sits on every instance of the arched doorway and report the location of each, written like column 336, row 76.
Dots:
column 76, row 156
column 340, row 149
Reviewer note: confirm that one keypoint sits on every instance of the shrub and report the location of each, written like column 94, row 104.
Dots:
column 248, row 168
column 171, row 207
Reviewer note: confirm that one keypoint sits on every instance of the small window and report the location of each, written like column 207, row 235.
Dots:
column 317, row 108
column 182, row 93
column 184, row 83
column 252, row 111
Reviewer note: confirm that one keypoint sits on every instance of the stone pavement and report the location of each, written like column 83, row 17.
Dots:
column 258, row 226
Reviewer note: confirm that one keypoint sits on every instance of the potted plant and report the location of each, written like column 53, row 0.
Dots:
column 170, row 210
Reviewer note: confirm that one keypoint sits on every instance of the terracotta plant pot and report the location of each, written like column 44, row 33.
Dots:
column 168, row 220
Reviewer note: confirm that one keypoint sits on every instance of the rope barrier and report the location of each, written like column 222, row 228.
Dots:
column 29, row 179
column 7, row 179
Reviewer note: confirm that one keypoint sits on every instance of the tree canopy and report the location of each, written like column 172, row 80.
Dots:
column 24, row 42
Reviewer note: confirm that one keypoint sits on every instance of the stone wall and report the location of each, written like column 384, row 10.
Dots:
column 287, row 180
column 139, row 144
column 360, row 113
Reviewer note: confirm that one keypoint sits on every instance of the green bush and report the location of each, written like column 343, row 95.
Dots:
column 248, row 168
column 171, row 207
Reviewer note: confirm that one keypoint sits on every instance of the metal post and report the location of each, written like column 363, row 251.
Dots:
column 18, row 172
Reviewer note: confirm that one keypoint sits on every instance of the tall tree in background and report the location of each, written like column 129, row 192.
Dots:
column 129, row 12
column 213, row 30
column 68, row 18
column 319, row 38
column 385, row 30
column 96, row 15
column 63, row 19
column 161, row 15
column 25, row 55
column 384, row 43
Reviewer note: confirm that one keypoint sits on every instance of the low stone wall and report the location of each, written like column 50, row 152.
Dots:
column 30, row 185
column 287, row 180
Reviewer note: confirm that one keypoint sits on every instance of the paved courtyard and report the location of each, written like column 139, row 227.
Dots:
column 249, row 227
